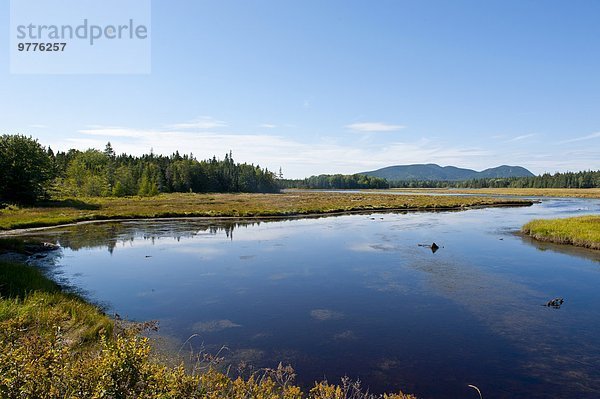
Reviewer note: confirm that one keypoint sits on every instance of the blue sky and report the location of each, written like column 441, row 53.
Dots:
column 339, row 86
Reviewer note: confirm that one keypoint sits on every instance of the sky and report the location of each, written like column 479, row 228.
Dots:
column 316, row 87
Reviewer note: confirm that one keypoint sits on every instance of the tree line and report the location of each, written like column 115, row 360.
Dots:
column 29, row 171
column 583, row 179
column 336, row 182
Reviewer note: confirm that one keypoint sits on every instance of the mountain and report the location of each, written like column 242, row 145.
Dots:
column 436, row 172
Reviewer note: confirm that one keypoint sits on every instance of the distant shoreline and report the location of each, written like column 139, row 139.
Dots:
column 516, row 192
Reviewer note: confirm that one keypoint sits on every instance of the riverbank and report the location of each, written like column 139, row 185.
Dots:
column 582, row 231
column 521, row 192
column 65, row 211
column 55, row 344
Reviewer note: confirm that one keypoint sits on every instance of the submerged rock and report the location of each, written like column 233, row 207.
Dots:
column 555, row 303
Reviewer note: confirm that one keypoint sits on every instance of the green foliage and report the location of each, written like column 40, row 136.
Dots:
column 45, row 367
column 584, row 179
column 26, row 169
column 86, row 174
column 99, row 174
column 337, row 182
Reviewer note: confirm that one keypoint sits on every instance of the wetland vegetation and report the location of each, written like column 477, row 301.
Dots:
column 59, row 212
column 581, row 231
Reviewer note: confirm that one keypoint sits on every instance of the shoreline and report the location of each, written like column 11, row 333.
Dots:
column 590, row 193
column 579, row 231
column 281, row 216
column 566, row 242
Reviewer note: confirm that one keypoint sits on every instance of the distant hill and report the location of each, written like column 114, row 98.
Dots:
column 451, row 173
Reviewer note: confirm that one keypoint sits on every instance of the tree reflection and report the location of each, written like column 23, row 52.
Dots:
column 109, row 235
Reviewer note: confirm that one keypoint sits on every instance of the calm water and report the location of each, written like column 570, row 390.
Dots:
column 356, row 295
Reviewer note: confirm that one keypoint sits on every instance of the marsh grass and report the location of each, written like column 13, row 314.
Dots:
column 230, row 205
column 8, row 244
column 30, row 299
column 17, row 280
column 581, row 231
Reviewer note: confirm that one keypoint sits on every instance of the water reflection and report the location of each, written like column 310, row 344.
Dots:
column 111, row 234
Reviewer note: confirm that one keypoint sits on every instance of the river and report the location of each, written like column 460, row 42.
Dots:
column 357, row 295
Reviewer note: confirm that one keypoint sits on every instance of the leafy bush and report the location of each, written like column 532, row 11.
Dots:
column 25, row 169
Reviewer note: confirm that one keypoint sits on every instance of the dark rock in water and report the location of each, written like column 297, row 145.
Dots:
column 555, row 303
column 434, row 247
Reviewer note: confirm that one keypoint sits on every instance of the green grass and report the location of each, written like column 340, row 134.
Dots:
column 582, row 231
column 17, row 280
column 34, row 301
column 229, row 205
column 8, row 244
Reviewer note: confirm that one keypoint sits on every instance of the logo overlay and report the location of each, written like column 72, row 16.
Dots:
column 80, row 37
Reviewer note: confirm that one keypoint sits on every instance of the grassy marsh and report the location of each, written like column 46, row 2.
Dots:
column 229, row 205
column 581, row 231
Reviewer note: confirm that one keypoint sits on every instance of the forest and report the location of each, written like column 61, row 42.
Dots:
column 336, row 182
column 583, row 179
column 31, row 172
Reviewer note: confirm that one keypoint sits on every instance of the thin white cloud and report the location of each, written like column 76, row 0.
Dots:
column 370, row 127
column 519, row 138
column 114, row 131
column 204, row 122
column 267, row 125
column 583, row 138
column 300, row 158
column 297, row 159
